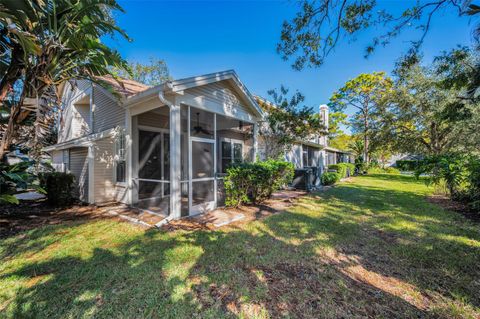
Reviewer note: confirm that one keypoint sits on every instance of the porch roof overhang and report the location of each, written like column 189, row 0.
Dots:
column 83, row 141
column 336, row 150
column 179, row 86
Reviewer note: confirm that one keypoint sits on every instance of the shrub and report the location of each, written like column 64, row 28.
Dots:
column 343, row 169
column 407, row 165
column 459, row 174
column 329, row 178
column 59, row 187
column 255, row 182
column 15, row 178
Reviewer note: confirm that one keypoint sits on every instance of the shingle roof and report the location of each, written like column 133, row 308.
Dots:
column 124, row 87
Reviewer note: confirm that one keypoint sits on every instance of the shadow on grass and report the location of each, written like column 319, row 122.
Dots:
column 336, row 254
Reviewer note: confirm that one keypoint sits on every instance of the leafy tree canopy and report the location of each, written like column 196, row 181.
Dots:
column 288, row 120
column 367, row 95
column 320, row 24
column 45, row 43
column 429, row 112
column 153, row 73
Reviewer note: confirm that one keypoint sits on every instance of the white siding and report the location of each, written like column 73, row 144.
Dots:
column 81, row 120
column 295, row 155
column 154, row 119
column 79, row 168
column 71, row 94
column 105, row 188
column 108, row 113
column 218, row 97
column 75, row 119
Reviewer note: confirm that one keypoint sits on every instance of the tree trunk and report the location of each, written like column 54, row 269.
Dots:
column 12, row 121
column 365, row 136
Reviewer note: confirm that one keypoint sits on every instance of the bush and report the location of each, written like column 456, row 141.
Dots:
column 379, row 170
column 343, row 169
column 459, row 174
column 15, row 178
column 59, row 187
column 330, row 178
column 255, row 182
column 407, row 165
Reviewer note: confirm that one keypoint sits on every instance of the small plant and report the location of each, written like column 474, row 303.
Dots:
column 255, row 182
column 59, row 187
column 15, row 178
column 329, row 178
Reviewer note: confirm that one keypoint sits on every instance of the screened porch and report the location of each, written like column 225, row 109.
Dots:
column 209, row 144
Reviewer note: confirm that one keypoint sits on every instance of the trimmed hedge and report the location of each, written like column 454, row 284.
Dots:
column 330, row 178
column 343, row 169
column 255, row 182
column 59, row 187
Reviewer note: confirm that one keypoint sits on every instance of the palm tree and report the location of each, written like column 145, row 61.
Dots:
column 44, row 43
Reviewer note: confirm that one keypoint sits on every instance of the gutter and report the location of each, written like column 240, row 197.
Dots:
column 161, row 94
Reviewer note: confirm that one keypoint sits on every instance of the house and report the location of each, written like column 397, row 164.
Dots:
column 164, row 148
column 161, row 148
column 336, row 156
column 312, row 152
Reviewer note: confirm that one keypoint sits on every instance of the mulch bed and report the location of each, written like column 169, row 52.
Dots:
column 449, row 204
column 278, row 203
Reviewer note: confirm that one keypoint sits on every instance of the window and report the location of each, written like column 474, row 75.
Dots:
column 305, row 155
column 66, row 161
column 120, row 164
column 309, row 156
column 231, row 152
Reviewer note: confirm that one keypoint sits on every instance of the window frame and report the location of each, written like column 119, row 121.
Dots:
column 232, row 143
column 118, row 158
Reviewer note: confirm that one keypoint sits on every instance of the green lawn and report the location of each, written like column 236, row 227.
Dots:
column 373, row 247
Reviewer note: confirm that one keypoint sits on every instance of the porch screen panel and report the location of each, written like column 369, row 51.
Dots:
column 202, row 160
column 202, row 192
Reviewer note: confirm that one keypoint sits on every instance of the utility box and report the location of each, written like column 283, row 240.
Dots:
column 303, row 179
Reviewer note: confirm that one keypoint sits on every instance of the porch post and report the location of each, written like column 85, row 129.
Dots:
column 255, row 141
column 129, row 157
column 175, row 166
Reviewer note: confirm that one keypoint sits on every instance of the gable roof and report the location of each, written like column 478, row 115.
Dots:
column 178, row 86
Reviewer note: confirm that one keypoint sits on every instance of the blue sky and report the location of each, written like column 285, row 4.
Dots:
column 198, row 37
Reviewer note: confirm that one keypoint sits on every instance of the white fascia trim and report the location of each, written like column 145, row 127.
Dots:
column 178, row 86
column 81, row 141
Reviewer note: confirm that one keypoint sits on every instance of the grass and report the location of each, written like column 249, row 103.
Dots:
column 373, row 247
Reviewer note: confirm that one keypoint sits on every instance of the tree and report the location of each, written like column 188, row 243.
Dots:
column 429, row 111
column 341, row 141
column 320, row 24
column 153, row 73
column 367, row 94
column 45, row 43
column 287, row 121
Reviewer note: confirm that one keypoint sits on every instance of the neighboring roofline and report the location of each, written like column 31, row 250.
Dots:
column 177, row 86
column 328, row 148
column 80, row 141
